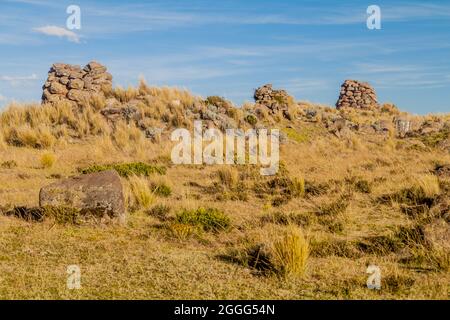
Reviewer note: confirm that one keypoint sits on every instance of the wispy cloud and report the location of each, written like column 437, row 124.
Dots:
column 19, row 80
column 403, row 76
column 58, row 32
column 3, row 98
column 146, row 17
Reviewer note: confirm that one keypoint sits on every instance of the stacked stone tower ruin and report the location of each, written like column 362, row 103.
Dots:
column 274, row 100
column 67, row 82
column 358, row 95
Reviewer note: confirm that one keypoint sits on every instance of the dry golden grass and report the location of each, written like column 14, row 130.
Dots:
column 48, row 160
column 290, row 252
column 141, row 196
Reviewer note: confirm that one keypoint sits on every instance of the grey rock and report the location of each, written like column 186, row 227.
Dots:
column 97, row 194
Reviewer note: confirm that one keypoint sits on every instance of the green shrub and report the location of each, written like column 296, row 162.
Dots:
column 300, row 137
column 208, row 219
column 251, row 119
column 127, row 169
column 162, row 190
column 336, row 207
column 434, row 139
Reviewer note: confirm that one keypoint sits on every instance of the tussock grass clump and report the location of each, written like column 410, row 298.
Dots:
column 141, row 196
column 400, row 238
column 434, row 139
column 316, row 189
column 48, row 160
column 231, row 185
column 127, row 169
column 338, row 248
column 207, row 219
column 283, row 253
column 160, row 211
column 228, row 176
column 182, row 231
column 125, row 95
column 436, row 259
column 290, row 252
column 283, row 188
column 291, row 218
column 397, row 282
column 161, row 189
column 8, row 164
column 359, row 184
column 417, row 199
column 335, row 207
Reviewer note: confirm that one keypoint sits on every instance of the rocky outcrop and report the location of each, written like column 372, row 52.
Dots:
column 443, row 171
column 357, row 95
column 97, row 195
column 275, row 100
column 67, row 82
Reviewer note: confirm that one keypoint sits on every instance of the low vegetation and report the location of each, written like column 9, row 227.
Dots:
column 127, row 169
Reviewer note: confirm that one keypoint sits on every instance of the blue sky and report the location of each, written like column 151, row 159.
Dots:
column 230, row 47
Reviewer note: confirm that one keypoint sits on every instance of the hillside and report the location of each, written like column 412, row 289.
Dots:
column 358, row 185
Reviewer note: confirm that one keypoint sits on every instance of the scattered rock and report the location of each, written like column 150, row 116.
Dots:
column 127, row 113
column 97, row 194
column 381, row 127
column 154, row 133
column 443, row 171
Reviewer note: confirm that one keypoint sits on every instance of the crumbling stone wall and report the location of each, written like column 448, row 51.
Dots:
column 358, row 95
column 67, row 82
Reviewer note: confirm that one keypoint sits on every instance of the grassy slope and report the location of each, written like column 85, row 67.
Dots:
column 145, row 260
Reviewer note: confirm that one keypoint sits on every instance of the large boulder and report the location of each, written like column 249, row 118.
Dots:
column 97, row 194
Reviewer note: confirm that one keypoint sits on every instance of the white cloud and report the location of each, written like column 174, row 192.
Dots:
column 58, row 32
column 19, row 80
column 2, row 98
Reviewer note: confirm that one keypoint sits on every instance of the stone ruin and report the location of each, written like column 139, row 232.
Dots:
column 67, row 82
column 358, row 95
column 274, row 100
